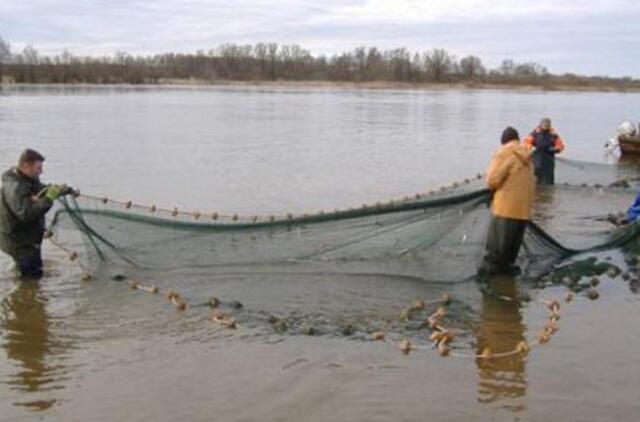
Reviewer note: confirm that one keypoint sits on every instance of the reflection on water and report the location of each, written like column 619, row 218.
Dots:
column 28, row 341
column 501, row 329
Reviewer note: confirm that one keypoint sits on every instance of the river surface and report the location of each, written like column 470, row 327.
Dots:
column 72, row 350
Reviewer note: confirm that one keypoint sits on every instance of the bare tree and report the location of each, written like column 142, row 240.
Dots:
column 471, row 67
column 30, row 55
column 289, row 62
column 439, row 65
column 5, row 54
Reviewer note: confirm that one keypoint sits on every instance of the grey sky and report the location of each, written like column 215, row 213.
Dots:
column 581, row 36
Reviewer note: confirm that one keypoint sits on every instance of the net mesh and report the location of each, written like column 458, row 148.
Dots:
column 437, row 236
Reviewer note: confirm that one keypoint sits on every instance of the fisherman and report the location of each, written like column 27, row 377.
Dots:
column 24, row 201
column 511, row 181
column 545, row 144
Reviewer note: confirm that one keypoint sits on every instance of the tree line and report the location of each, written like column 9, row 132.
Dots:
column 273, row 62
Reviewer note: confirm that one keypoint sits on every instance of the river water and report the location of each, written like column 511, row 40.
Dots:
column 96, row 351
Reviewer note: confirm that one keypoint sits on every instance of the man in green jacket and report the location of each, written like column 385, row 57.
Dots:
column 24, row 201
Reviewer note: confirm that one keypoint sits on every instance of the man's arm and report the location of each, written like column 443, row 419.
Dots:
column 558, row 144
column 498, row 170
column 23, row 205
column 529, row 141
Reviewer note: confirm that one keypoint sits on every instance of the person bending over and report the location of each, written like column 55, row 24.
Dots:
column 24, row 201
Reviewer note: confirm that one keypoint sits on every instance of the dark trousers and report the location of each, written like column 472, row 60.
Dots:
column 30, row 266
column 545, row 170
column 503, row 244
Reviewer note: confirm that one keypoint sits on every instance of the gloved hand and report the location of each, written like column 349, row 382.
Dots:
column 53, row 192
column 550, row 150
column 66, row 190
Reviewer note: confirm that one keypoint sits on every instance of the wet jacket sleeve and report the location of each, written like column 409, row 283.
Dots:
column 529, row 141
column 558, row 144
column 22, row 205
column 499, row 170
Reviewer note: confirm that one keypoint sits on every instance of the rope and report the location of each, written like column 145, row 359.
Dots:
column 389, row 205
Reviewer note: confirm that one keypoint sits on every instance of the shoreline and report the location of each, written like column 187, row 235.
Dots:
column 375, row 85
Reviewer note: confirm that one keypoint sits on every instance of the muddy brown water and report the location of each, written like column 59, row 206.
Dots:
column 99, row 351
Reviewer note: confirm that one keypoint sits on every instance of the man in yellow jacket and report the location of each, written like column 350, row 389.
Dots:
column 511, row 179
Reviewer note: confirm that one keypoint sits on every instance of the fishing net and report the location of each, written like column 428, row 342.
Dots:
column 351, row 272
column 438, row 236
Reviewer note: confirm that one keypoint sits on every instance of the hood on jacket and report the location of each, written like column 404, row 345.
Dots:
column 519, row 151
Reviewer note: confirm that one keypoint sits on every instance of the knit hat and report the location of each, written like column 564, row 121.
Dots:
column 509, row 134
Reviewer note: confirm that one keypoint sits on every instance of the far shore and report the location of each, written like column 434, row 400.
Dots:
column 380, row 85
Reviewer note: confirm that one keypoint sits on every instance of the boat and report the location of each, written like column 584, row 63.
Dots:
column 629, row 144
column 627, row 139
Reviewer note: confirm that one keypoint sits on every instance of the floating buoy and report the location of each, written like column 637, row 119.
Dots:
column 444, row 350
column 523, row 347
column 553, row 305
column 153, row 208
column 214, row 216
column 419, row 305
column 436, row 336
column 180, row 304
column 543, row 337
column 105, row 200
column 377, row 336
column 150, row 289
column 170, row 294
column 405, row 346
column 595, row 281
column 224, row 320
column 551, row 327
column 440, row 312
column 486, row 353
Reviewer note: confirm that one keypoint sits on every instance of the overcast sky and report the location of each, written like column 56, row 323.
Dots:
column 581, row 36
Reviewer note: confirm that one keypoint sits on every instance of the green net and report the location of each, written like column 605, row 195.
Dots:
column 438, row 236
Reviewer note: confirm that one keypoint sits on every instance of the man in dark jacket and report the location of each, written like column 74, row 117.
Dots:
column 545, row 144
column 24, row 201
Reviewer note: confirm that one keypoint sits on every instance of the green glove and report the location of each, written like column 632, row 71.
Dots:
column 53, row 192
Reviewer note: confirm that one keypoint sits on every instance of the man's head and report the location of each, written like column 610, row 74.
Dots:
column 508, row 135
column 545, row 124
column 30, row 163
